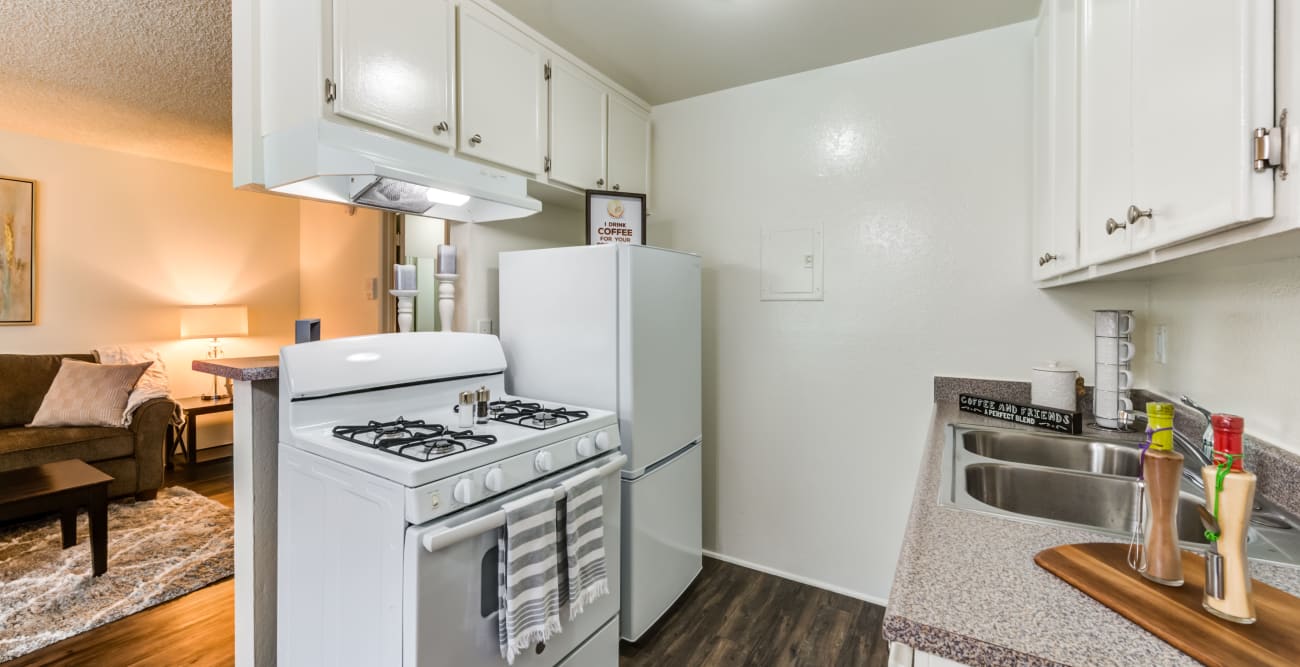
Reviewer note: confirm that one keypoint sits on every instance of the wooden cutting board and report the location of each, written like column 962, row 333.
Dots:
column 1175, row 615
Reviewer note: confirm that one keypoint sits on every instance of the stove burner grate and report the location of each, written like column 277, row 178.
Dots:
column 411, row 438
column 533, row 415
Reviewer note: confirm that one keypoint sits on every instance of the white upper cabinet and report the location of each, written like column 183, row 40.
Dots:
column 1056, row 139
column 629, row 147
column 1166, row 96
column 394, row 64
column 502, row 92
column 577, row 129
column 1202, row 82
column 1105, row 128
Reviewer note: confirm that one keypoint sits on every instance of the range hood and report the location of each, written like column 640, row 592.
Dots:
column 330, row 161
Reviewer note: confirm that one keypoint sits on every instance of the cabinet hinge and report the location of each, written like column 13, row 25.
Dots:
column 331, row 91
column 546, row 164
column 1271, row 147
column 546, row 71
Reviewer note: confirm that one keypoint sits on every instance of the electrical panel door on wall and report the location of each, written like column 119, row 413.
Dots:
column 790, row 264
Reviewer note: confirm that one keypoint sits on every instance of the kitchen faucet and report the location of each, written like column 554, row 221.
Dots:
column 1203, row 453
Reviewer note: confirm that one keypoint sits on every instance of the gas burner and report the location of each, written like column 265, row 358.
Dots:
column 533, row 415
column 412, row 438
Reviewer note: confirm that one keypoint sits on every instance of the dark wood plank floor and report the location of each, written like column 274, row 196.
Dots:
column 736, row 616
column 730, row 616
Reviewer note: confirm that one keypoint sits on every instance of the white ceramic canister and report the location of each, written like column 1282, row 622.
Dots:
column 1052, row 386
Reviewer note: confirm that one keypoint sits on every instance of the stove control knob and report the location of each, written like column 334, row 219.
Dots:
column 464, row 491
column 544, row 462
column 603, row 442
column 495, row 480
column 586, row 447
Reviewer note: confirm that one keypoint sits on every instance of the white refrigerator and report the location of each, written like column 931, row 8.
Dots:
column 618, row 327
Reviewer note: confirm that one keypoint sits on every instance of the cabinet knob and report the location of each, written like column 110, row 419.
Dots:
column 1135, row 214
column 600, row 181
column 616, row 186
column 1047, row 257
column 1113, row 225
column 476, row 140
column 441, row 127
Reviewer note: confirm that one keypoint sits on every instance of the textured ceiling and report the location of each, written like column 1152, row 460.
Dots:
column 150, row 77
column 665, row 50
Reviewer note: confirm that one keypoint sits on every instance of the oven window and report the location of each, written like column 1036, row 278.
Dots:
column 488, row 584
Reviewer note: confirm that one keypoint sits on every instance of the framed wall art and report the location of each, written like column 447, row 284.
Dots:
column 615, row 217
column 17, row 251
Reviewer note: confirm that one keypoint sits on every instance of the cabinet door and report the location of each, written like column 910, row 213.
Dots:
column 393, row 66
column 502, row 92
column 1056, row 140
column 1202, row 81
column 629, row 147
column 1105, row 128
column 577, row 127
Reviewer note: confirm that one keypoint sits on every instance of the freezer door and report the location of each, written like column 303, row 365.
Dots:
column 559, row 324
column 662, row 539
column 659, row 353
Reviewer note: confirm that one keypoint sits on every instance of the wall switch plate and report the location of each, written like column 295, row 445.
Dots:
column 1162, row 344
column 485, row 326
column 372, row 289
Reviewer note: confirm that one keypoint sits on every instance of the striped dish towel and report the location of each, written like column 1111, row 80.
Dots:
column 584, row 541
column 528, row 586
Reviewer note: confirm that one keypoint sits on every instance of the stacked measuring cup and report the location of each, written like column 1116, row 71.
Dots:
column 1114, row 378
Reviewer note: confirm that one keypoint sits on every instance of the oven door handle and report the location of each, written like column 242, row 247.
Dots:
column 438, row 540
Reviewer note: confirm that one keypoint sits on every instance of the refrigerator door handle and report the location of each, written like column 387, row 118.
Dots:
column 633, row 475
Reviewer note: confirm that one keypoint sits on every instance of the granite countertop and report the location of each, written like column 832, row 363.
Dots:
column 967, row 588
column 249, row 369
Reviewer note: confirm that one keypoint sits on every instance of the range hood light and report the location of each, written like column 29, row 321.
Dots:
column 336, row 162
column 445, row 197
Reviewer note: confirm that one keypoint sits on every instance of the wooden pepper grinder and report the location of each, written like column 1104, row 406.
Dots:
column 1229, row 495
column 1162, row 468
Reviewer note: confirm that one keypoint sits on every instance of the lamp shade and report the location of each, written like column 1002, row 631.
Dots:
column 214, row 321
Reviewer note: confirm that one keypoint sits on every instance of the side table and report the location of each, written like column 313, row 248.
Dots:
column 191, row 408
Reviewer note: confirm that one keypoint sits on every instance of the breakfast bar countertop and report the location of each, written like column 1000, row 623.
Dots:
column 967, row 588
column 249, row 369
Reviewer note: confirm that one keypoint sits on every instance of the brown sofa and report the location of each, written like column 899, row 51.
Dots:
column 132, row 455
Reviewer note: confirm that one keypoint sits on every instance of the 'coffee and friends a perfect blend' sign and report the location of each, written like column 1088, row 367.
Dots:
column 615, row 217
column 1029, row 415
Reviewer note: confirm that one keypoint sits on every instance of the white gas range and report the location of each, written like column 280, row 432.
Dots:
column 388, row 505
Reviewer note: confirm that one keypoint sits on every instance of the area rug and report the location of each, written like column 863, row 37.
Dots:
column 157, row 550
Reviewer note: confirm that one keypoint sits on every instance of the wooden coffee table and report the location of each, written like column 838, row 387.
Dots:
column 65, row 486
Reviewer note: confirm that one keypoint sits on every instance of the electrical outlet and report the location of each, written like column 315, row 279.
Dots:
column 1162, row 344
column 485, row 326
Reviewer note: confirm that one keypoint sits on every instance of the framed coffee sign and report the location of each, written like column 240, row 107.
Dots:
column 615, row 217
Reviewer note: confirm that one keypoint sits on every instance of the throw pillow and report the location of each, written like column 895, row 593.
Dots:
column 153, row 384
column 86, row 394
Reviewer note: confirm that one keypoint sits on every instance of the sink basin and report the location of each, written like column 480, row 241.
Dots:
column 1080, row 482
column 1054, row 452
column 1108, row 503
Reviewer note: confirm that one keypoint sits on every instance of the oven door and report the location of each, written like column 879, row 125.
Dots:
column 449, row 601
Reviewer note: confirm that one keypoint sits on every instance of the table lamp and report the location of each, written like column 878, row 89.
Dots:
column 214, row 323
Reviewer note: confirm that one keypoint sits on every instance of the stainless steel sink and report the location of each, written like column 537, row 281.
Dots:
column 1077, row 482
column 1109, row 503
column 1056, row 452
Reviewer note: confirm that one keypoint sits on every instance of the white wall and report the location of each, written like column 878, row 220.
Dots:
column 477, row 247
column 122, row 241
column 916, row 163
column 339, row 257
column 1232, row 344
